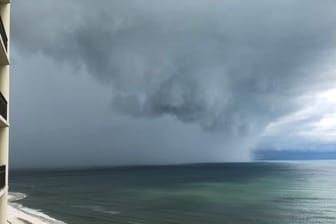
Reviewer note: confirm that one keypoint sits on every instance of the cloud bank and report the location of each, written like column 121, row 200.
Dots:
column 229, row 67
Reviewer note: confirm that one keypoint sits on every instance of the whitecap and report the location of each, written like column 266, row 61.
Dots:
column 98, row 208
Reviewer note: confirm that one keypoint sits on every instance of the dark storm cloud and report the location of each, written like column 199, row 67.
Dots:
column 219, row 63
column 228, row 66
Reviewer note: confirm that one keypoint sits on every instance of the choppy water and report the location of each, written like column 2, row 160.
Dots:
column 278, row 193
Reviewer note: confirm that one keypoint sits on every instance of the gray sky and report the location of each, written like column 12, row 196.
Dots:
column 156, row 82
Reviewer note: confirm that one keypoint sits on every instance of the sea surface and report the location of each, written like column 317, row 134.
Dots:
column 234, row 193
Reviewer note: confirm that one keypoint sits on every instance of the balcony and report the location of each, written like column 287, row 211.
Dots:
column 4, row 44
column 2, row 177
column 3, row 111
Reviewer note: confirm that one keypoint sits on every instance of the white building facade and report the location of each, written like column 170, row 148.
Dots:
column 4, row 106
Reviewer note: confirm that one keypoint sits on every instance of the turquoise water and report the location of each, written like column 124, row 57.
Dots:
column 295, row 192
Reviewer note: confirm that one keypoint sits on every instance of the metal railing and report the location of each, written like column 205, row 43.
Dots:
column 3, row 34
column 2, row 176
column 3, row 106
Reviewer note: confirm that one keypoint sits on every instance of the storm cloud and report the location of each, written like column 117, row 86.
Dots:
column 223, row 69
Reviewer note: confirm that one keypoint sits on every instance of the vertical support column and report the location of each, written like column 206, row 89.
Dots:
column 4, row 88
column 4, row 134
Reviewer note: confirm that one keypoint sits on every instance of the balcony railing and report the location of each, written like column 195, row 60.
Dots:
column 2, row 177
column 3, row 106
column 3, row 34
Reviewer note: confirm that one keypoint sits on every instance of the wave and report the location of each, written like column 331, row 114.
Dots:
column 13, row 197
column 98, row 208
column 16, row 196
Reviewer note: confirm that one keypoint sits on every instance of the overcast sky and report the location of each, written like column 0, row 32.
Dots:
column 156, row 82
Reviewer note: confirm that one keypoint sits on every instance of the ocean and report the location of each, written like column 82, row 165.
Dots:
column 234, row 193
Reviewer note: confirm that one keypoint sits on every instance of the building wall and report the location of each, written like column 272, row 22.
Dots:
column 4, row 123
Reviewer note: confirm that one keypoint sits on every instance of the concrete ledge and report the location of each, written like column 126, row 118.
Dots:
column 3, row 122
column 3, row 191
column 4, row 60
